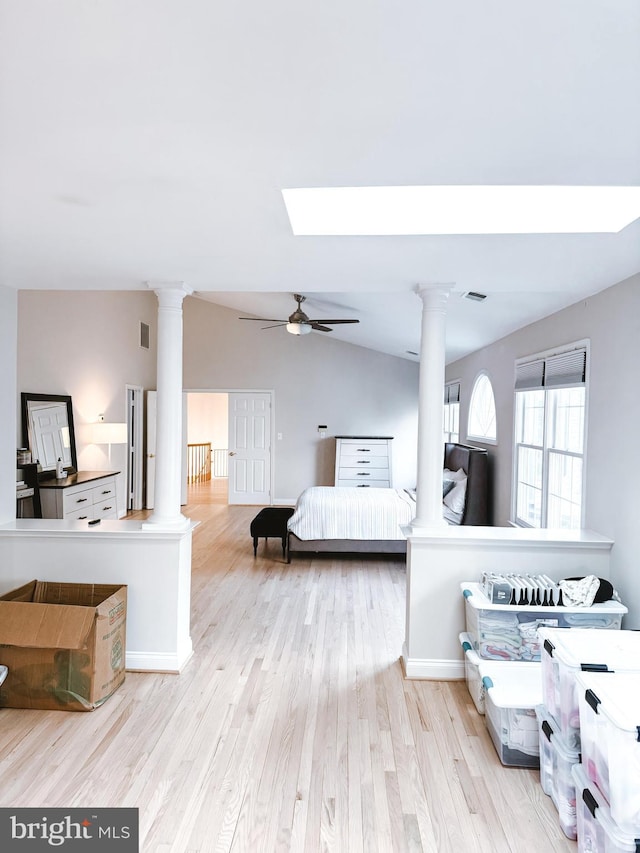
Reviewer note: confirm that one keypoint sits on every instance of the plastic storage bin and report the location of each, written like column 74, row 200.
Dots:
column 597, row 831
column 566, row 653
column 556, row 761
column 510, row 631
column 511, row 696
column 609, row 706
column 472, row 672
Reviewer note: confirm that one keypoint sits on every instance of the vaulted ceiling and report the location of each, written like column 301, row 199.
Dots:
column 150, row 140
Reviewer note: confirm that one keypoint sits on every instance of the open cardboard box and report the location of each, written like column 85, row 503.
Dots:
column 63, row 643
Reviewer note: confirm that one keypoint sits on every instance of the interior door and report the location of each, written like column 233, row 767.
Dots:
column 249, row 448
column 152, row 408
column 152, row 399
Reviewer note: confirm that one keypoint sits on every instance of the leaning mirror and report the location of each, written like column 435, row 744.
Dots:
column 47, row 428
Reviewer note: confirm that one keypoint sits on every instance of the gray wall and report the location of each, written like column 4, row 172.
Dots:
column 86, row 344
column 610, row 320
column 316, row 380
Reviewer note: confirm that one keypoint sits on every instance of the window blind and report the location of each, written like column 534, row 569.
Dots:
column 567, row 368
column 452, row 393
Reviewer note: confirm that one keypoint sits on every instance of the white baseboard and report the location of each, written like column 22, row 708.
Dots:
column 434, row 670
column 156, row 661
column 284, row 501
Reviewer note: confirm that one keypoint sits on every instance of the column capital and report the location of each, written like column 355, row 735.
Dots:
column 170, row 293
column 434, row 295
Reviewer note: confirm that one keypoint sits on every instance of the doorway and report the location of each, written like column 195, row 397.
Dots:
column 229, row 439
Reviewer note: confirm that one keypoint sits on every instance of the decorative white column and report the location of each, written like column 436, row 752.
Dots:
column 167, row 512
column 430, row 405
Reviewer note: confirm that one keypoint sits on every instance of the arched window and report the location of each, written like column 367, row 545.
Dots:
column 482, row 410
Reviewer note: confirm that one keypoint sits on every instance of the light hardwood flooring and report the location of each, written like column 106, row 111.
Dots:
column 290, row 729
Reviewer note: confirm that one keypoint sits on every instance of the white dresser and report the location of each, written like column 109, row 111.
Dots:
column 85, row 495
column 363, row 461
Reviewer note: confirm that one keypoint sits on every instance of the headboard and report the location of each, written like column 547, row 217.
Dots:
column 475, row 461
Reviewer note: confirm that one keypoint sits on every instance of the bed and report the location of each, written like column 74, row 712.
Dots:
column 334, row 519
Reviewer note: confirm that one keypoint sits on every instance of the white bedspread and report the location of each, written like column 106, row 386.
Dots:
column 334, row 512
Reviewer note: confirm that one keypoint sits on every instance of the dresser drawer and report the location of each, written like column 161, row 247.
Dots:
column 76, row 499
column 368, row 484
column 365, row 450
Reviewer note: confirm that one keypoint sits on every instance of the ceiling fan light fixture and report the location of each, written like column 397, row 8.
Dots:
column 298, row 328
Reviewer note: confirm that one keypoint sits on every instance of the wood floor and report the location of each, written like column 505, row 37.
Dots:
column 290, row 729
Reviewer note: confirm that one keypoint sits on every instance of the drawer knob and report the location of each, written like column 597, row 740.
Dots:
column 81, row 500
column 107, row 492
column 364, row 450
column 363, row 474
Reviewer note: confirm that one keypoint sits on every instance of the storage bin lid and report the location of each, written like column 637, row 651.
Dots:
column 474, row 596
column 585, row 647
column 513, row 684
column 615, row 695
column 589, row 794
column 467, row 647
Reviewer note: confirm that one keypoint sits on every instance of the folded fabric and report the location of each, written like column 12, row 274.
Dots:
column 579, row 593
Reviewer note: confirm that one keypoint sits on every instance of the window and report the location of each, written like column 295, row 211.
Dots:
column 482, row 410
column 451, row 426
column 550, row 404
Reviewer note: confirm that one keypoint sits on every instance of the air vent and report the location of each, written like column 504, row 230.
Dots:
column 144, row 335
column 473, row 294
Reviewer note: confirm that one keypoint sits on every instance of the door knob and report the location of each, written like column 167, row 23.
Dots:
column 232, row 453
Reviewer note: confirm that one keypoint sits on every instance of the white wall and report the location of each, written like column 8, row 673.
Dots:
column 611, row 321
column 8, row 412
column 208, row 419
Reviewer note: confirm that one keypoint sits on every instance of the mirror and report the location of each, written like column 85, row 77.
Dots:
column 47, row 429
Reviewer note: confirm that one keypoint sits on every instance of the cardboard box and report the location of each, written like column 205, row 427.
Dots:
column 63, row 643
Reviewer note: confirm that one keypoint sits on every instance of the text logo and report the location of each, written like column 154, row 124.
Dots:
column 35, row 830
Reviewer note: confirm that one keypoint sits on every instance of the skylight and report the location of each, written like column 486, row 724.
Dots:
column 389, row 211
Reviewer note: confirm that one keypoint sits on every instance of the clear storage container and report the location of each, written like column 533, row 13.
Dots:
column 510, row 631
column 511, row 696
column 556, row 761
column 597, row 831
column 609, row 706
column 472, row 672
column 566, row 653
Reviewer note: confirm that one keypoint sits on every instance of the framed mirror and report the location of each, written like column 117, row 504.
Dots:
column 47, row 429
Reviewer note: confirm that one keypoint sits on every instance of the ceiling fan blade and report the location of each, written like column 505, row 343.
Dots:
column 262, row 319
column 320, row 328
column 334, row 322
column 274, row 326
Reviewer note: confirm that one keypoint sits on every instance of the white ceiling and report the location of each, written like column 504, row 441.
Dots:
column 150, row 139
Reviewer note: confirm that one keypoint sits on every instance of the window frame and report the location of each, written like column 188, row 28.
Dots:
column 452, row 391
column 485, row 439
column 546, row 449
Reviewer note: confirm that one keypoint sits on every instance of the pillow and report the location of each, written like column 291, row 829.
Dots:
column 447, row 485
column 456, row 476
column 456, row 497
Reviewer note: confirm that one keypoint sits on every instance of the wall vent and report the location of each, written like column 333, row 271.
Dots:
column 144, row 335
column 473, row 294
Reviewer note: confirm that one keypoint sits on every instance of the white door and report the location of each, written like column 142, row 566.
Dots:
column 249, row 448
column 135, row 421
column 152, row 399
column 152, row 408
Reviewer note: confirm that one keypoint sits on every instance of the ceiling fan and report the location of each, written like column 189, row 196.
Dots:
column 298, row 322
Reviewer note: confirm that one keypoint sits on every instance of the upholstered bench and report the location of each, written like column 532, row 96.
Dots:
column 271, row 521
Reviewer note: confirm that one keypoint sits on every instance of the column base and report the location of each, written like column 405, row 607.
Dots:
column 172, row 522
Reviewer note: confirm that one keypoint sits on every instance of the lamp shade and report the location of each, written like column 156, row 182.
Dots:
column 298, row 328
column 104, row 433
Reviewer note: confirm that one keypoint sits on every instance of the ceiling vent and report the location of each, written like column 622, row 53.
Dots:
column 473, row 294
